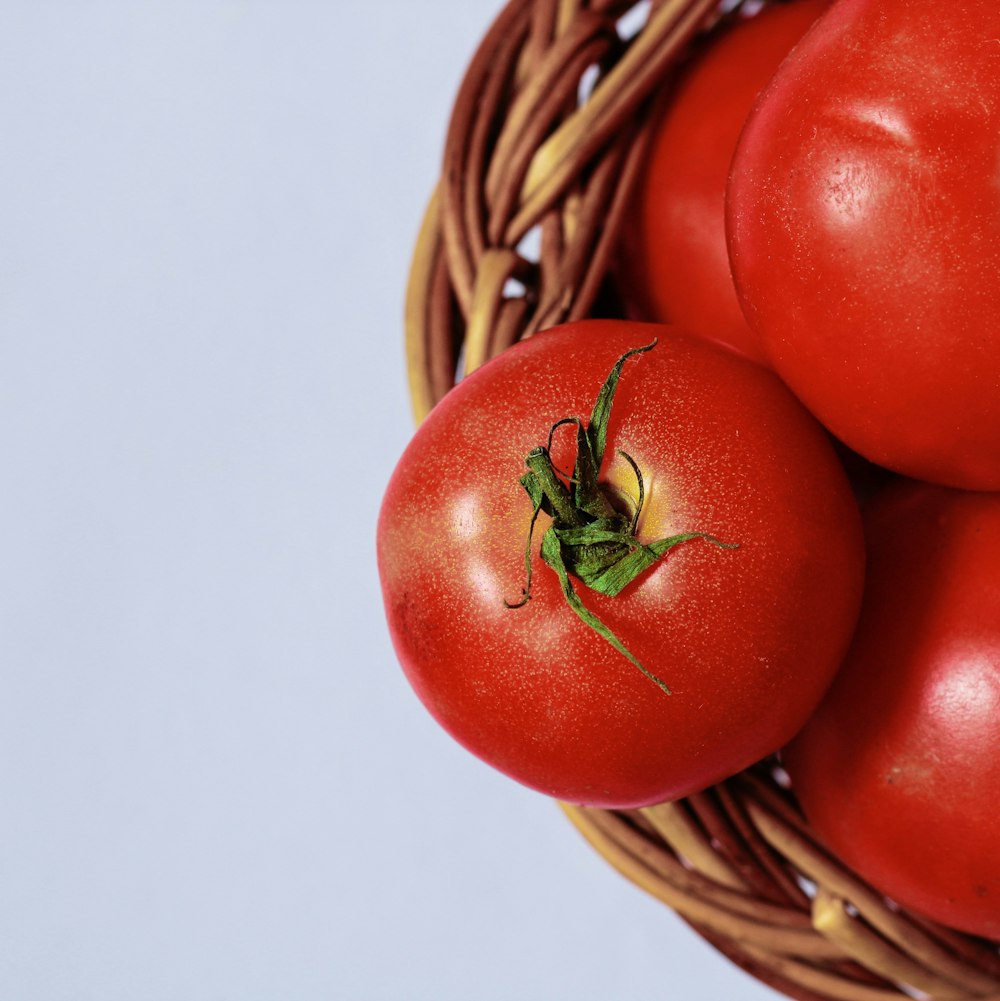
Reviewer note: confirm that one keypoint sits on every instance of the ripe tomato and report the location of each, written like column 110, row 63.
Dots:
column 864, row 232
column 674, row 266
column 746, row 638
column 897, row 771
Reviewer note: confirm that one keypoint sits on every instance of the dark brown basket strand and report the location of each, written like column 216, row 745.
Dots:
column 546, row 136
column 557, row 178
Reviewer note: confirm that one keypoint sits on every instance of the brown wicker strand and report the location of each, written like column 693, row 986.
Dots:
column 685, row 836
column 544, row 14
column 586, row 218
column 734, row 836
column 465, row 140
column 496, row 267
column 828, row 984
column 605, row 226
column 536, row 108
column 702, row 902
column 802, row 979
column 617, row 97
column 430, row 353
column 833, row 918
column 974, row 952
column 771, row 868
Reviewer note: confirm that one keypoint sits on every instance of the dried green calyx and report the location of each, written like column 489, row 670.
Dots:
column 589, row 540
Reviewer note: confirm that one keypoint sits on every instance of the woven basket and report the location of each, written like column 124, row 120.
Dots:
column 546, row 136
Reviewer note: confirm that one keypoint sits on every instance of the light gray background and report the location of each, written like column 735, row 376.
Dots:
column 214, row 783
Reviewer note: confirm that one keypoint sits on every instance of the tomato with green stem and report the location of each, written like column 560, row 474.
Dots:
column 621, row 608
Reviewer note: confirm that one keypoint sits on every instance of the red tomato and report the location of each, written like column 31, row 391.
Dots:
column 898, row 770
column 746, row 638
column 864, row 229
column 674, row 265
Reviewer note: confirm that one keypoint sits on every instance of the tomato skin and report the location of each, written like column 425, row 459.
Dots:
column 674, row 264
column 864, row 232
column 898, row 770
column 748, row 638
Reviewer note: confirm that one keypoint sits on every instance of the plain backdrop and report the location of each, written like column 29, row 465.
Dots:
column 215, row 784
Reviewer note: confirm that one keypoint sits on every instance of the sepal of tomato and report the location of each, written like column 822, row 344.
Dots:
column 747, row 638
column 898, row 769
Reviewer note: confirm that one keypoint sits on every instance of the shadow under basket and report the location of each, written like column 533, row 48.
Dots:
column 543, row 147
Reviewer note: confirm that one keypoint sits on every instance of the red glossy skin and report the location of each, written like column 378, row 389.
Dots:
column 748, row 639
column 674, row 264
column 899, row 770
column 864, row 231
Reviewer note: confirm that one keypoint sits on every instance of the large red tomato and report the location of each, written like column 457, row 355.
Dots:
column 674, row 267
column 746, row 638
column 899, row 770
column 864, row 231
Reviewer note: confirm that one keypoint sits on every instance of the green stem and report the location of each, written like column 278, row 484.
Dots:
column 560, row 503
column 588, row 539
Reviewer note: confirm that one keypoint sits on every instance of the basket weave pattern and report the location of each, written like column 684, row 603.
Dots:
column 546, row 135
